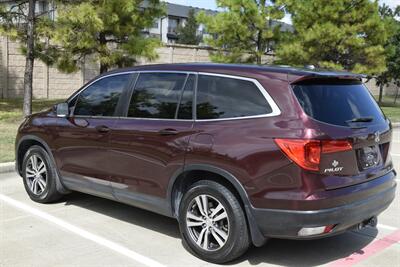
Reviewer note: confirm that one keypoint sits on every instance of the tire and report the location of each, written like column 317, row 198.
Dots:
column 235, row 237
column 44, row 189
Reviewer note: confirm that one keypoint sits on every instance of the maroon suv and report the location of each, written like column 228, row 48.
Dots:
column 236, row 153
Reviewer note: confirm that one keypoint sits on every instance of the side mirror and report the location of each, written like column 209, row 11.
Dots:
column 62, row 110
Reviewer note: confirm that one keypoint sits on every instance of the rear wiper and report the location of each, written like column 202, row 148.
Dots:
column 361, row 119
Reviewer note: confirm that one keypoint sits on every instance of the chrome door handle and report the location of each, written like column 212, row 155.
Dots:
column 102, row 129
column 168, row 132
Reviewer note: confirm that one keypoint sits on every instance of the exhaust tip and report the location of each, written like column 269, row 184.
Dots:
column 371, row 222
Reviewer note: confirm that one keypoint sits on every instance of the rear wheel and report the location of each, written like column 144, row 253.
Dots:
column 39, row 176
column 212, row 222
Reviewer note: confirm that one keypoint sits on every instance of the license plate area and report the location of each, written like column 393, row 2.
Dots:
column 369, row 157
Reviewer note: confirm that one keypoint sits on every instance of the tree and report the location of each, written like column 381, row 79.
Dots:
column 109, row 31
column 187, row 34
column 392, row 49
column 340, row 34
column 21, row 22
column 244, row 31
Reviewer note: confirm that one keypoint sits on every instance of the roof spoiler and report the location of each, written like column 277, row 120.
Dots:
column 325, row 76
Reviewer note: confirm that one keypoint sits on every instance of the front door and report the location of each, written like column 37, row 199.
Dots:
column 148, row 145
column 82, row 154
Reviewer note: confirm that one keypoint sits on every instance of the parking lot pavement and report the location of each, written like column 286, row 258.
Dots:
column 83, row 230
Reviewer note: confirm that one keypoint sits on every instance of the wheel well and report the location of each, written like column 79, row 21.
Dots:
column 186, row 179
column 23, row 148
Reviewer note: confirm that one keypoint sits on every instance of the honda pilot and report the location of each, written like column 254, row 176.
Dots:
column 237, row 154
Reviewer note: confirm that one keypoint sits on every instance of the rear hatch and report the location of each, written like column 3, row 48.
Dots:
column 353, row 131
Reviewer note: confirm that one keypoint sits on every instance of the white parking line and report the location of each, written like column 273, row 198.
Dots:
column 83, row 233
column 387, row 227
column 395, row 154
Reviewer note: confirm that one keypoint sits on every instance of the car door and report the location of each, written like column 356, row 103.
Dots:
column 82, row 141
column 148, row 145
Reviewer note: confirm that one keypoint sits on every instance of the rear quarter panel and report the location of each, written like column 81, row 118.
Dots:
column 245, row 147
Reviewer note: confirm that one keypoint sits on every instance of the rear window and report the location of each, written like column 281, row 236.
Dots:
column 338, row 102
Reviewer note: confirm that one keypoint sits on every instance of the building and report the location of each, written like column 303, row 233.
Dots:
column 165, row 28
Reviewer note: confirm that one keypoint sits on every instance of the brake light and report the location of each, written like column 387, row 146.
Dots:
column 307, row 153
column 332, row 146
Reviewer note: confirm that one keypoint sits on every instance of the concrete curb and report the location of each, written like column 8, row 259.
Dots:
column 7, row 167
column 396, row 124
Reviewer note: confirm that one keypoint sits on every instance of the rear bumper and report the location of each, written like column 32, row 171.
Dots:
column 287, row 223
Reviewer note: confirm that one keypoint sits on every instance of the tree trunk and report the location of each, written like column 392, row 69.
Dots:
column 29, row 60
column 380, row 93
column 103, row 42
column 258, row 60
column 259, row 48
column 103, row 68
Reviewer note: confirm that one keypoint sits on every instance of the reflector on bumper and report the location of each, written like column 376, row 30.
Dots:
column 307, row 231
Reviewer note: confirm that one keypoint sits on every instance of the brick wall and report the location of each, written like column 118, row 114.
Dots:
column 48, row 82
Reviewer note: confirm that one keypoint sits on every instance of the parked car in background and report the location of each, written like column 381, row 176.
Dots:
column 237, row 154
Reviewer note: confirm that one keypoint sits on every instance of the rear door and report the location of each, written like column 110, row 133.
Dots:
column 345, row 110
column 82, row 141
column 148, row 145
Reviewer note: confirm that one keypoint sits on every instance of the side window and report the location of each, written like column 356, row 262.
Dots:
column 186, row 103
column 221, row 97
column 101, row 98
column 156, row 95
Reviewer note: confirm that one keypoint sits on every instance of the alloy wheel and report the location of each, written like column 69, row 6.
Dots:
column 207, row 222
column 36, row 174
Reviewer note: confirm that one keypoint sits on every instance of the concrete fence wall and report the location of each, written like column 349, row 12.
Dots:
column 390, row 90
column 48, row 82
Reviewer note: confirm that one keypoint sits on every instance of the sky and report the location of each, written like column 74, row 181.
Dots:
column 210, row 4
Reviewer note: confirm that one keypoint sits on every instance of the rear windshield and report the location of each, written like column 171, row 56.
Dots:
column 338, row 103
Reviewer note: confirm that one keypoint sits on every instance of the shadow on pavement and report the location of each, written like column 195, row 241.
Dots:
column 126, row 213
column 310, row 252
column 276, row 251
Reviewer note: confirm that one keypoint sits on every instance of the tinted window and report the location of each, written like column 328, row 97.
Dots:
column 101, row 98
column 156, row 95
column 186, row 103
column 220, row 97
column 337, row 103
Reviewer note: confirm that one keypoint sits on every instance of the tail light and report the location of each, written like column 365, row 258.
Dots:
column 307, row 153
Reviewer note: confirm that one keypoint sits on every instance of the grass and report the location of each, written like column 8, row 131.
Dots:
column 10, row 119
column 391, row 109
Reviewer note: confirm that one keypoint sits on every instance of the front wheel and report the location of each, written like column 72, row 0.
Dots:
column 212, row 222
column 39, row 176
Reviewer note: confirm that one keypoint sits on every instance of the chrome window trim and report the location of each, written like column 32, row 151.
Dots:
column 275, row 109
column 167, row 71
column 94, row 117
column 125, row 118
column 151, row 119
column 96, row 80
